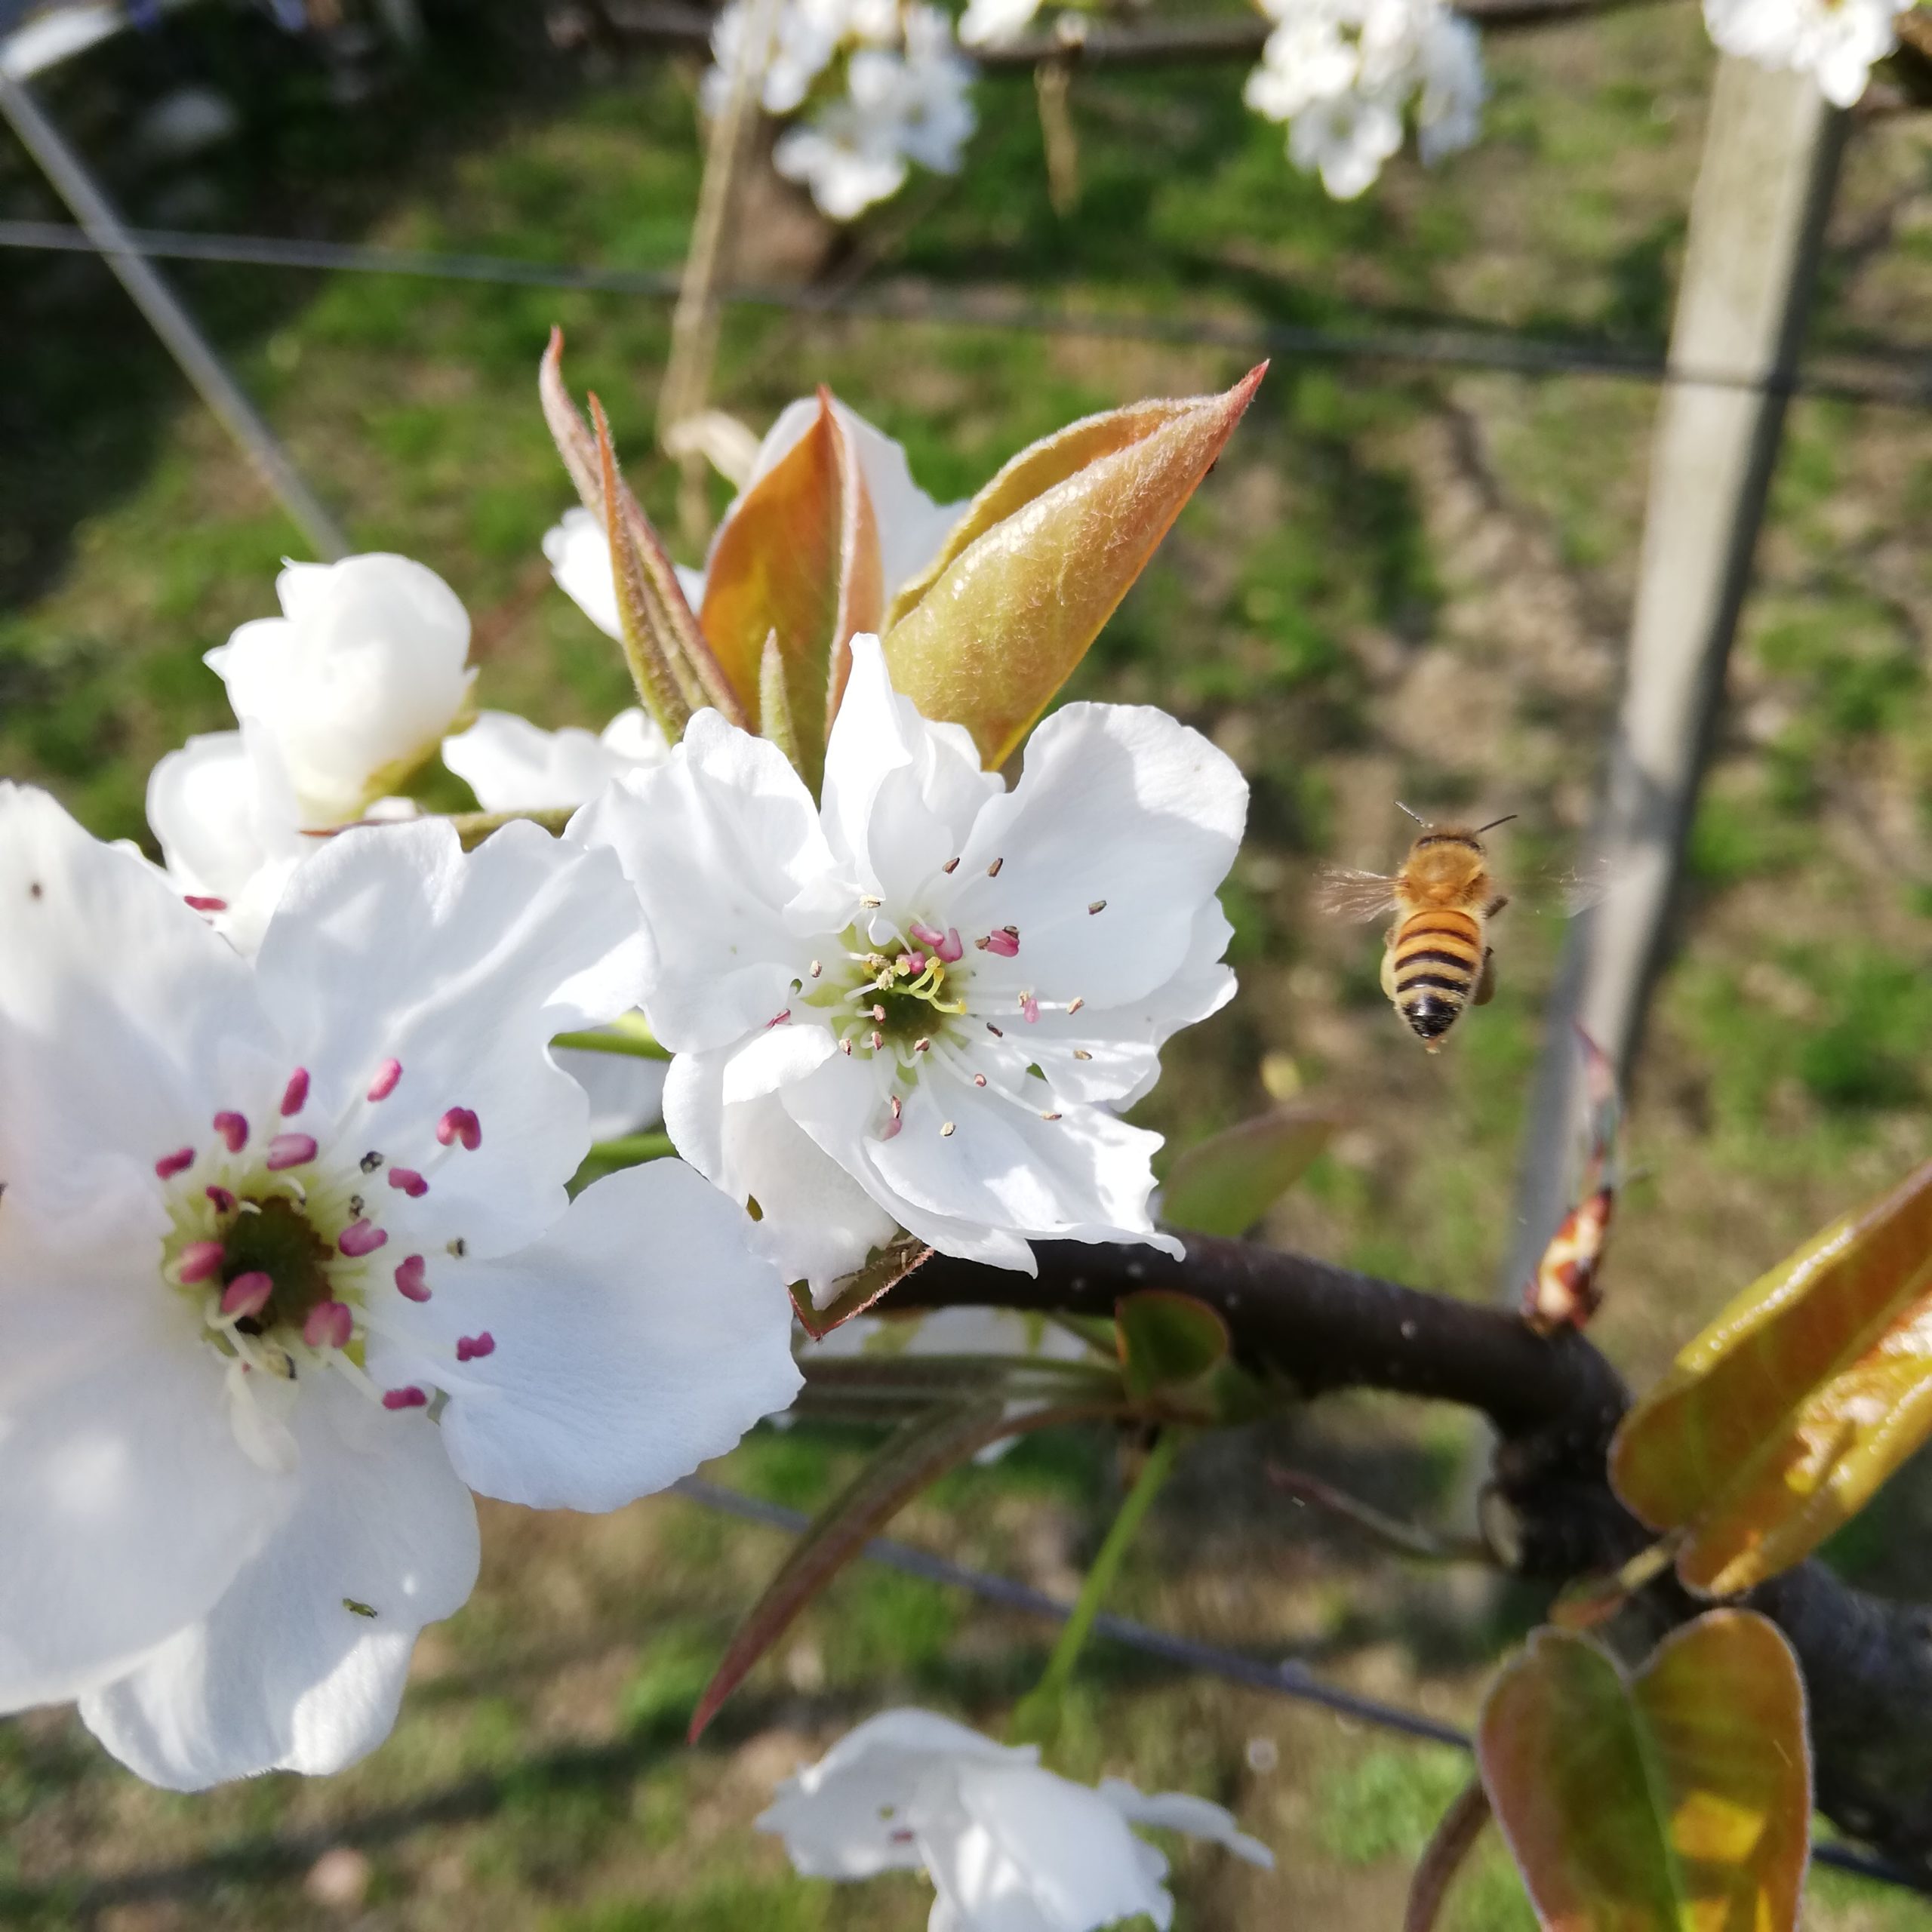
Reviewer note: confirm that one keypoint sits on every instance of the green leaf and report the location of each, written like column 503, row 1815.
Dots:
column 799, row 560
column 1225, row 1183
column 1676, row 1801
column 917, row 1455
column 1780, row 1421
column 1041, row 558
column 1167, row 1340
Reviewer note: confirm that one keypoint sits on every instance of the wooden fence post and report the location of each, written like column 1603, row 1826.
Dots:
column 1758, row 214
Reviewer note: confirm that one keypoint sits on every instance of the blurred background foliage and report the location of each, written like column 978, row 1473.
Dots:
column 1396, row 584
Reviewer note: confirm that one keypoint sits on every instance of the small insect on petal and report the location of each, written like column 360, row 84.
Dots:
column 233, row 1128
column 291, row 1150
column 387, row 1075
column 409, row 1278
column 361, row 1238
column 329, row 1324
column 295, row 1095
column 199, row 1259
column 460, row 1123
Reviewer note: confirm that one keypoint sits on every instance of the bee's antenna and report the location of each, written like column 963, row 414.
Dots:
column 1495, row 822
column 1416, row 815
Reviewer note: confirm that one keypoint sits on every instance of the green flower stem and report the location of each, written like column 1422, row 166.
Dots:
column 628, row 1149
column 1036, row 1719
column 630, row 1037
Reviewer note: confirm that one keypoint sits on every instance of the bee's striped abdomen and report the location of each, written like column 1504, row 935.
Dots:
column 1434, row 966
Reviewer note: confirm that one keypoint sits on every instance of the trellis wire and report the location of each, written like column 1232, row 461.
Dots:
column 1287, row 1679
column 1507, row 353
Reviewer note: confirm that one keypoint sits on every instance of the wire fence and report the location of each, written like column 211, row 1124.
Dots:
column 1286, row 1678
column 1894, row 375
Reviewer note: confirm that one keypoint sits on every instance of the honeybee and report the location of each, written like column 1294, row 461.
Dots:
column 1438, row 958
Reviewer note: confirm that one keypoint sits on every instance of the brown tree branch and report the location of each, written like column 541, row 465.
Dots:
column 1556, row 1403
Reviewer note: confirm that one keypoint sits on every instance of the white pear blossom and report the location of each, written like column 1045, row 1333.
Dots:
column 286, row 1261
column 1009, row 1846
column 1344, row 73
column 902, row 105
column 356, row 682
column 919, row 1007
column 513, row 766
column 1836, row 42
column 993, row 23
column 912, row 527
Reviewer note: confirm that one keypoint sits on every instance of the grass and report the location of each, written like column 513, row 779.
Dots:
column 1396, row 584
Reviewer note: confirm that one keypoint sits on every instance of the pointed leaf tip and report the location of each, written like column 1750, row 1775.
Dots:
column 1042, row 557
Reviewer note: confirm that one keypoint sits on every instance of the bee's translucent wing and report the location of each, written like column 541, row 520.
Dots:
column 1345, row 893
column 1566, row 892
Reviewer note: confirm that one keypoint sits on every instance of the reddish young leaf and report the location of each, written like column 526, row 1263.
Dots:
column 1676, row 1801
column 1779, row 1422
column 1564, row 1291
column 1042, row 556
column 799, row 559
column 1225, row 1184
column 917, row 1455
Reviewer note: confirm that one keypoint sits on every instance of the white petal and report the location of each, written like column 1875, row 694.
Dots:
column 121, row 1014
column 772, row 1059
column 1180, row 1812
column 719, row 842
column 580, row 557
column 222, row 809
column 392, row 943
column 126, row 1506
column 1025, row 1838
column 1121, row 807
column 627, row 1092
column 642, row 1335
column 284, row 1673
column 511, row 766
column 360, row 677
column 848, row 1816
column 901, row 794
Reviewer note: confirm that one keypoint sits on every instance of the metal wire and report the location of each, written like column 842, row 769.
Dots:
column 1907, row 384
column 1287, row 1679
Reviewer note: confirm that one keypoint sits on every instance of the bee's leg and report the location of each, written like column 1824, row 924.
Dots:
column 1388, row 970
column 1486, row 986
column 1495, row 905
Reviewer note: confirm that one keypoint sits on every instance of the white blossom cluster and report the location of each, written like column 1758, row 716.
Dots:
column 289, row 1268
column 1346, row 75
column 903, row 100
column 1836, row 42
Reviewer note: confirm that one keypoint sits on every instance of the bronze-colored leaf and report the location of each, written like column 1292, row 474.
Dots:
column 1676, row 1801
column 799, row 560
column 1041, row 558
column 1779, row 1422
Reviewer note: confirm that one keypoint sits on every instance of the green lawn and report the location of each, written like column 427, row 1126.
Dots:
column 1396, row 584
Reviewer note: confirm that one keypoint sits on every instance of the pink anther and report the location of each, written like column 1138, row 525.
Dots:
column 328, row 1325
column 295, row 1095
column 411, row 1397
column 247, row 1294
column 387, row 1075
column 200, row 902
column 169, row 1165
column 233, row 1128
column 410, row 1181
column 224, row 1202
column 1003, row 940
column 199, row 1259
column 474, row 1348
column 1030, row 1008
column 951, row 947
column 361, row 1238
column 460, row 1123
column 929, row 936
column 409, row 1278
column 291, row 1150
